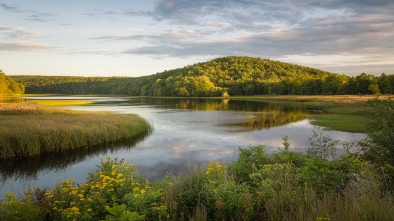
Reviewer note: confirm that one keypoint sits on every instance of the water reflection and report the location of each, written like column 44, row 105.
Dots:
column 256, row 115
column 185, row 131
column 28, row 167
column 11, row 99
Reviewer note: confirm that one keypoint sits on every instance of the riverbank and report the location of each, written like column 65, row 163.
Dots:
column 348, row 113
column 283, row 186
column 28, row 129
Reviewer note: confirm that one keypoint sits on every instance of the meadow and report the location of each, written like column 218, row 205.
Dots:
column 28, row 129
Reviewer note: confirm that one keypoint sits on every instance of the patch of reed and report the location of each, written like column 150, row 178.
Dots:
column 27, row 129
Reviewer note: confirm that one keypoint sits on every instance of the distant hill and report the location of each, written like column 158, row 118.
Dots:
column 233, row 75
column 8, row 86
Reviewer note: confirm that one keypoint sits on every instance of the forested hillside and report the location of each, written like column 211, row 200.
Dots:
column 8, row 86
column 221, row 76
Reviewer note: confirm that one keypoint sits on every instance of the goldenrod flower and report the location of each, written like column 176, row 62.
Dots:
column 76, row 209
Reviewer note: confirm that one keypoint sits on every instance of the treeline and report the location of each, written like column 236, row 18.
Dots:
column 221, row 76
column 8, row 86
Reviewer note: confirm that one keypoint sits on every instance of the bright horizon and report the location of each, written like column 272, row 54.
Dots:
column 139, row 38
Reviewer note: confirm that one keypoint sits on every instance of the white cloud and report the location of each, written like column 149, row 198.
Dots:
column 24, row 47
column 14, row 32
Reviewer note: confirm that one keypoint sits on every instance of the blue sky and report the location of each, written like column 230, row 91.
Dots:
column 137, row 38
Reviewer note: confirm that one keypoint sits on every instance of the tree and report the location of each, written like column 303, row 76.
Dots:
column 384, row 84
column 8, row 86
column 380, row 146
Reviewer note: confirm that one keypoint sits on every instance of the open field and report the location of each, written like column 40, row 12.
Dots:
column 28, row 129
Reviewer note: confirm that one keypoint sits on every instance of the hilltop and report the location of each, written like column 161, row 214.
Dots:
column 233, row 75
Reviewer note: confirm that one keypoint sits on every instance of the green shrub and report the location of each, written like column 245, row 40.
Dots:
column 248, row 161
column 12, row 208
column 106, row 192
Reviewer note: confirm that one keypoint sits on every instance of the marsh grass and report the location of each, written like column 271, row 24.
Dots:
column 61, row 102
column 349, row 117
column 27, row 129
column 342, row 122
column 335, row 112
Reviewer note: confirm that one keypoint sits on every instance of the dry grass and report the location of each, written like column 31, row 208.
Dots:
column 26, row 108
column 61, row 102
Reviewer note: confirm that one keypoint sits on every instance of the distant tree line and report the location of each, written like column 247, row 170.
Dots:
column 222, row 76
column 8, row 86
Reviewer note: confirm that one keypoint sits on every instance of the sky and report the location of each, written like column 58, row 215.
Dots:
column 138, row 38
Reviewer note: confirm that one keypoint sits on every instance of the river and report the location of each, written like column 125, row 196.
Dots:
column 185, row 131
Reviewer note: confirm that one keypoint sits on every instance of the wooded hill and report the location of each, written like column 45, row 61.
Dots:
column 8, row 86
column 222, row 76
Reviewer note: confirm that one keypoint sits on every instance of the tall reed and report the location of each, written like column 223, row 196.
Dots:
column 27, row 129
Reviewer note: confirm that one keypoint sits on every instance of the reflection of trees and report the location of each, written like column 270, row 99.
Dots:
column 28, row 168
column 265, row 115
column 265, row 120
column 202, row 104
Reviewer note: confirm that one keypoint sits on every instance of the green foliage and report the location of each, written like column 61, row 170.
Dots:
column 380, row 146
column 12, row 208
column 114, row 193
column 322, row 146
column 120, row 213
column 208, row 194
column 232, row 75
column 8, row 86
column 290, row 186
column 249, row 160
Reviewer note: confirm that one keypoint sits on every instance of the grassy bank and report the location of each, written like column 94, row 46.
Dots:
column 61, row 102
column 258, row 186
column 27, row 129
column 337, row 112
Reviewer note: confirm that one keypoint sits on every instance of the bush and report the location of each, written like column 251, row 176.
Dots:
column 113, row 192
column 282, row 186
column 24, row 209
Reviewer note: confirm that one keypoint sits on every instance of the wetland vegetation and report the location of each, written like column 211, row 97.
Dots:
column 258, row 186
column 27, row 129
column 283, row 185
column 349, row 113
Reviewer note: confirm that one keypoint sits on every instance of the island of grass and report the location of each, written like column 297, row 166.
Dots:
column 28, row 129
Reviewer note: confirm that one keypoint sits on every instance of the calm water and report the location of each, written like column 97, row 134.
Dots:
column 185, row 131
